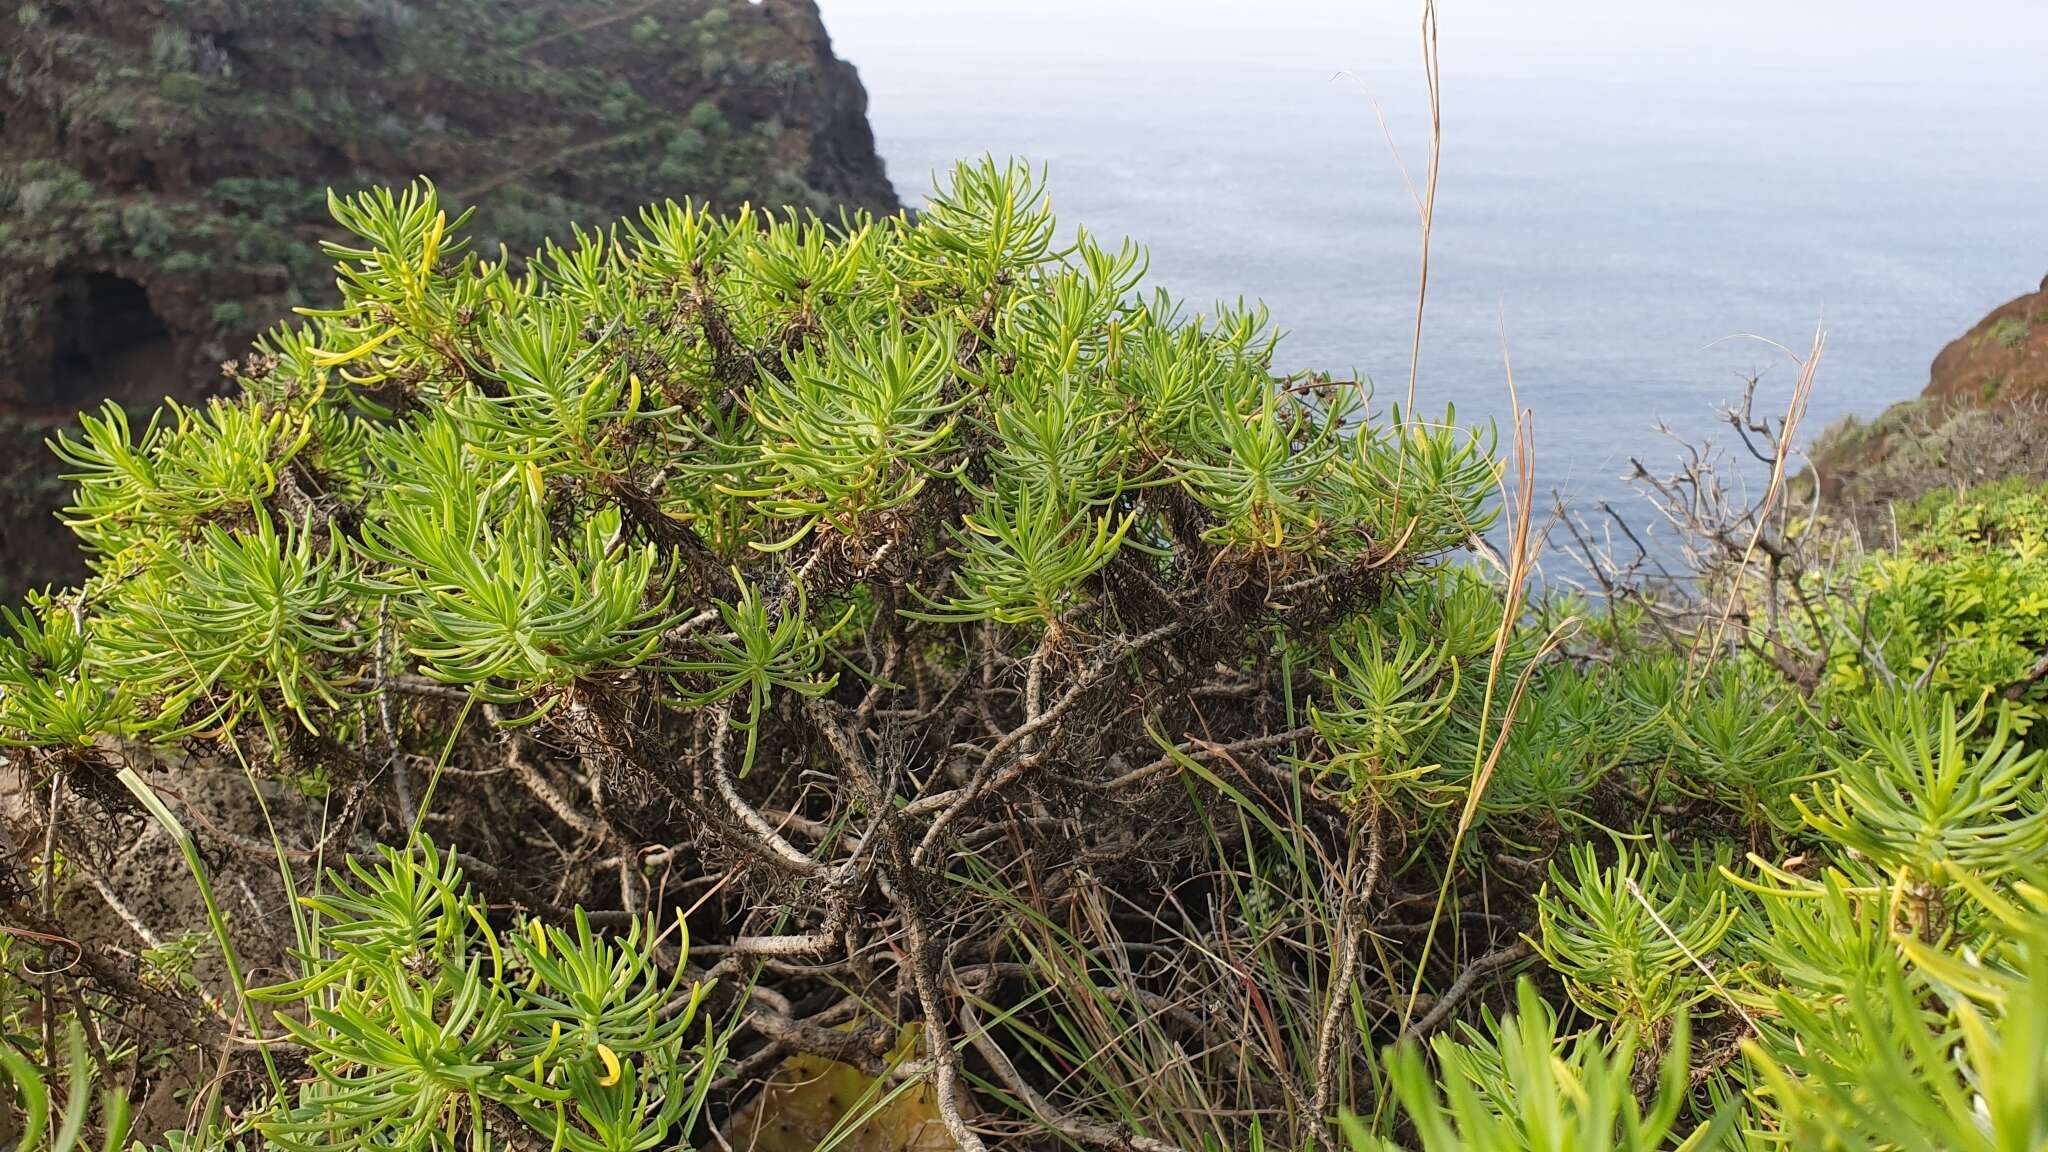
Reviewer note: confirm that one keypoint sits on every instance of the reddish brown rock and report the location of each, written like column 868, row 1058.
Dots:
column 2004, row 357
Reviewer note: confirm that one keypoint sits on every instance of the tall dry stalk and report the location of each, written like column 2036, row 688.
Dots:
column 1518, row 562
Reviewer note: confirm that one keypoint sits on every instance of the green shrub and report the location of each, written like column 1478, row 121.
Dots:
column 170, row 48
column 989, row 649
column 689, row 481
column 2011, row 332
column 1519, row 1086
column 182, row 87
column 427, row 1027
column 1630, row 938
column 183, row 263
column 705, row 117
column 1961, row 606
column 149, row 231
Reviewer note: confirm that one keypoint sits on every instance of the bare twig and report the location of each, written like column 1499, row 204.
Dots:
column 1460, row 988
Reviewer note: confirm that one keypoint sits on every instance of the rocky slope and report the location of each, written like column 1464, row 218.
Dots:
column 164, row 163
column 2003, row 358
column 1982, row 417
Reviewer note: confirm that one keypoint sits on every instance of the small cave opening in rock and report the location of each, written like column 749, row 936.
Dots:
column 109, row 342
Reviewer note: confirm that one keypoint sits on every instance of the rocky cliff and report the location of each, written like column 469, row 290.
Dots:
column 1982, row 417
column 2003, row 358
column 164, row 163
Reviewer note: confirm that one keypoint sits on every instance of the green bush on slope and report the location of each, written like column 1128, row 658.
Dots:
column 979, row 643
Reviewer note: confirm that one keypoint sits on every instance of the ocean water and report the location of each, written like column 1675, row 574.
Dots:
column 1635, row 228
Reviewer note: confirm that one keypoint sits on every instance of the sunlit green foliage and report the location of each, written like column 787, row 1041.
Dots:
column 694, row 476
column 1961, row 605
column 1520, row 1087
column 1631, row 938
column 497, row 465
column 1925, row 793
column 45, row 688
column 1870, row 937
column 426, row 1026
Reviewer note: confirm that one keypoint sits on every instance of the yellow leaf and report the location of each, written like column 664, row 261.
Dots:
column 431, row 250
column 327, row 359
column 809, row 1098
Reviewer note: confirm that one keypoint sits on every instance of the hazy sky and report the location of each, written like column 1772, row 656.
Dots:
column 1926, row 46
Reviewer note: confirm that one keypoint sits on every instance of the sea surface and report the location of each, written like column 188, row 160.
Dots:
column 1633, row 232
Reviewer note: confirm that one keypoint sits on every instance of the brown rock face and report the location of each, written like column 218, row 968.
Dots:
column 2005, row 357
column 164, row 167
column 1983, row 417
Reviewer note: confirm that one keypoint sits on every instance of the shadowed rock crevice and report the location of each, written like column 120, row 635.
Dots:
column 106, row 342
